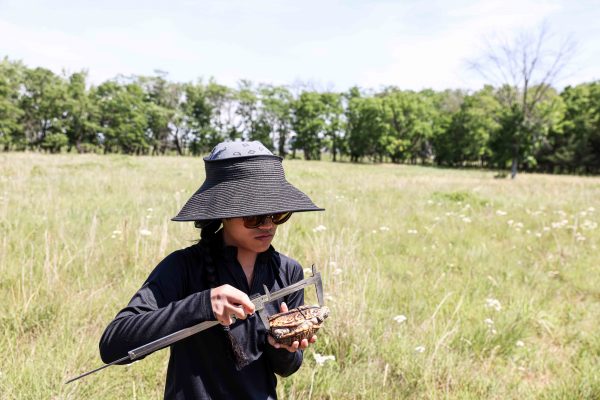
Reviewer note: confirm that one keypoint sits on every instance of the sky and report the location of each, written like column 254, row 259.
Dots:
column 327, row 45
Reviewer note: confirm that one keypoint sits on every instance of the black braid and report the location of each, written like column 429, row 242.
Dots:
column 208, row 232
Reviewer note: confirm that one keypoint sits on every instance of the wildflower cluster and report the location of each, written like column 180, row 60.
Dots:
column 321, row 359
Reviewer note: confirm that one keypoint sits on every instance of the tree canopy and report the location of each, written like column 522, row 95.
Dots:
column 40, row 110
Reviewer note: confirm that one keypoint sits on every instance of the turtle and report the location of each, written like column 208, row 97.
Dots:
column 297, row 324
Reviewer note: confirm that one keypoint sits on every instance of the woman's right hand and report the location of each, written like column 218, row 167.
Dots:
column 228, row 301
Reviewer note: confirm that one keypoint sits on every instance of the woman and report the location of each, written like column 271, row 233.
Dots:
column 246, row 192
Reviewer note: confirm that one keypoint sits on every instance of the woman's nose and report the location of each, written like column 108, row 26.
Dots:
column 267, row 223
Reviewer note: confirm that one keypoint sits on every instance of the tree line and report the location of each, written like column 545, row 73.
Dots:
column 40, row 110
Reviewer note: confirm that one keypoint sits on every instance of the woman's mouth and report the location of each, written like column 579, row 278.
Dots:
column 264, row 238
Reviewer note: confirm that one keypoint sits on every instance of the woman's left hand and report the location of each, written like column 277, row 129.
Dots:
column 296, row 345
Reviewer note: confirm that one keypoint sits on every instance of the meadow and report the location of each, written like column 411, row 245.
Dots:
column 442, row 283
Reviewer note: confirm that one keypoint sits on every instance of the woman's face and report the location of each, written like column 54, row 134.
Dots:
column 256, row 240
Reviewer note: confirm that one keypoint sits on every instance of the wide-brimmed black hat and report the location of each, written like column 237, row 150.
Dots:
column 243, row 179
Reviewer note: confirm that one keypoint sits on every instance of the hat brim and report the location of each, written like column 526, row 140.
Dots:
column 231, row 199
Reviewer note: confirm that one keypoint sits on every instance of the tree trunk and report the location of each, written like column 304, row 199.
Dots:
column 513, row 169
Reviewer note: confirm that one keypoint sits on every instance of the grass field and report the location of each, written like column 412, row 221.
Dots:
column 442, row 283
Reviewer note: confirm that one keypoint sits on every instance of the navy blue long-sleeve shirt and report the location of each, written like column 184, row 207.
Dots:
column 176, row 296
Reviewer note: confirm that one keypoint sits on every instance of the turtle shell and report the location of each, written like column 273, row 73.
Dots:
column 297, row 324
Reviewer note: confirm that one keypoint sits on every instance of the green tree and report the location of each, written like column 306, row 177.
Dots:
column 367, row 126
column 80, row 117
column 42, row 103
column 255, row 124
column 466, row 140
column 163, row 99
column 11, row 78
column 333, row 122
column 574, row 145
column 122, row 117
column 277, row 111
column 308, row 124
column 223, row 102
column 194, row 123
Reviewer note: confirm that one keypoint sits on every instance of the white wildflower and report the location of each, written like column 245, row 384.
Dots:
column 145, row 232
column 546, row 228
column 412, row 232
column 466, row 220
column 384, row 228
column 510, row 222
column 429, row 201
column 520, row 343
column 337, row 271
column 116, row 232
column 519, row 225
column 560, row 224
column 493, row 303
column 591, row 209
column 400, row 318
column 538, row 234
column 374, row 231
column 149, row 210
column 321, row 359
column 500, row 212
column 319, row 228
column 332, row 264
column 307, row 271
column 488, row 321
column 493, row 331
column 420, row 349
column 579, row 237
column 589, row 225
column 329, row 298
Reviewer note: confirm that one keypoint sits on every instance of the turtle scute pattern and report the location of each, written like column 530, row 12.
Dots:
column 297, row 324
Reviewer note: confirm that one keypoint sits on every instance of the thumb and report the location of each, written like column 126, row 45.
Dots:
column 283, row 307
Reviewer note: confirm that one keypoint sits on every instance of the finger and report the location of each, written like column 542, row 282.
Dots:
column 291, row 348
column 237, row 312
column 237, row 297
column 303, row 344
column 283, row 307
column 313, row 339
column 226, row 320
column 272, row 342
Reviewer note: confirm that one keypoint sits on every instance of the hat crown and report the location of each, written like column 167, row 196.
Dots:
column 227, row 150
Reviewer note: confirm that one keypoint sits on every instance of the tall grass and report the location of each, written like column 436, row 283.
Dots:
column 442, row 283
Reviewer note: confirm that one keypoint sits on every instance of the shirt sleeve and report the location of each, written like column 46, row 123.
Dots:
column 158, row 309
column 283, row 362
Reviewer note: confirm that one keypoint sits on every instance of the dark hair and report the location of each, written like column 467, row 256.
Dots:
column 208, row 233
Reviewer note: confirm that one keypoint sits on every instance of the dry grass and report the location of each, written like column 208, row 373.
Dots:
column 498, row 280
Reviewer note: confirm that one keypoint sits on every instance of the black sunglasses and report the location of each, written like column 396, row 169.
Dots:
column 255, row 221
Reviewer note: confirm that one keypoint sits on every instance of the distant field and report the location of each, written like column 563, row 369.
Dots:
column 442, row 283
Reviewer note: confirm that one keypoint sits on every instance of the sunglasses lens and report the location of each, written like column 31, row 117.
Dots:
column 255, row 221
column 280, row 218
